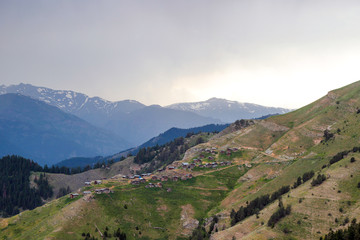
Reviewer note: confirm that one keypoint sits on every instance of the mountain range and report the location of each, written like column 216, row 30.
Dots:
column 137, row 122
column 118, row 125
column 36, row 130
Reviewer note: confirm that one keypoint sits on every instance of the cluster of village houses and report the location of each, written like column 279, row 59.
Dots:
column 197, row 162
column 162, row 179
column 97, row 191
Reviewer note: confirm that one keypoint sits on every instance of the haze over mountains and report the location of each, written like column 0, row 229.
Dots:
column 130, row 122
column 128, row 119
column 34, row 129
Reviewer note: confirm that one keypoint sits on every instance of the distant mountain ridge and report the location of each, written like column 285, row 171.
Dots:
column 226, row 110
column 173, row 133
column 92, row 109
column 128, row 119
column 137, row 122
column 34, row 129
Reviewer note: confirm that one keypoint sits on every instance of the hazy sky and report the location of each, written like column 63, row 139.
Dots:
column 276, row 53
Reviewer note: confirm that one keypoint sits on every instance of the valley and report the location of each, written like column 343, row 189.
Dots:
column 264, row 156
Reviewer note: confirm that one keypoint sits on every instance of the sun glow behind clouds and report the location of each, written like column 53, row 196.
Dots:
column 288, row 85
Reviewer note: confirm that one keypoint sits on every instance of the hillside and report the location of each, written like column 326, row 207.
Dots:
column 227, row 111
column 17, row 194
column 173, row 133
column 44, row 133
column 284, row 148
column 231, row 186
column 161, row 139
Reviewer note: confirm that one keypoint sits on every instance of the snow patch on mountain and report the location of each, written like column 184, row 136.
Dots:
column 226, row 110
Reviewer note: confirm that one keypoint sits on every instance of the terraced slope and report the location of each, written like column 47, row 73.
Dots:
column 285, row 147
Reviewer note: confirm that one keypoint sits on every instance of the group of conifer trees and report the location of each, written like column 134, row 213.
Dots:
column 352, row 232
column 306, row 177
column 162, row 155
column 171, row 150
column 279, row 214
column 256, row 205
column 16, row 193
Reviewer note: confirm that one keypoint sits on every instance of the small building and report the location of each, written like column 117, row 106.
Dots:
column 154, row 178
column 87, row 183
column 102, row 190
column 211, row 158
column 171, row 167
column 175, row 178
column 159, row 185
column 86, row 192
column 150, row 185
column 73, row 195
column 164, row 178
column 196, row 160
column 97, row 182
column 135, row 182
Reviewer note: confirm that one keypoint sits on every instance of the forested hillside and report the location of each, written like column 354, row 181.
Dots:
column 163, row 155
column 16, row 192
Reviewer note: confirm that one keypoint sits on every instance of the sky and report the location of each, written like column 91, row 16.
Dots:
column 275, row 53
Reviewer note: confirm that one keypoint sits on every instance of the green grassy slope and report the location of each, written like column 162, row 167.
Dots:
column 273, row 153
column 142, row 213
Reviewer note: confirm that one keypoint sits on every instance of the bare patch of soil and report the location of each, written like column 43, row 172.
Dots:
column 188, row 222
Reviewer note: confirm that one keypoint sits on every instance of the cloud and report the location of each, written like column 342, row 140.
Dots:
column 282, row 53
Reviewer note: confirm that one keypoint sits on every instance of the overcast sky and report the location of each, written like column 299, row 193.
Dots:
column 275, row 53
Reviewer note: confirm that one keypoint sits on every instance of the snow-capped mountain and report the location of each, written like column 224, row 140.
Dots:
column 128, row 119
column 227, row 111
column 93, row 109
